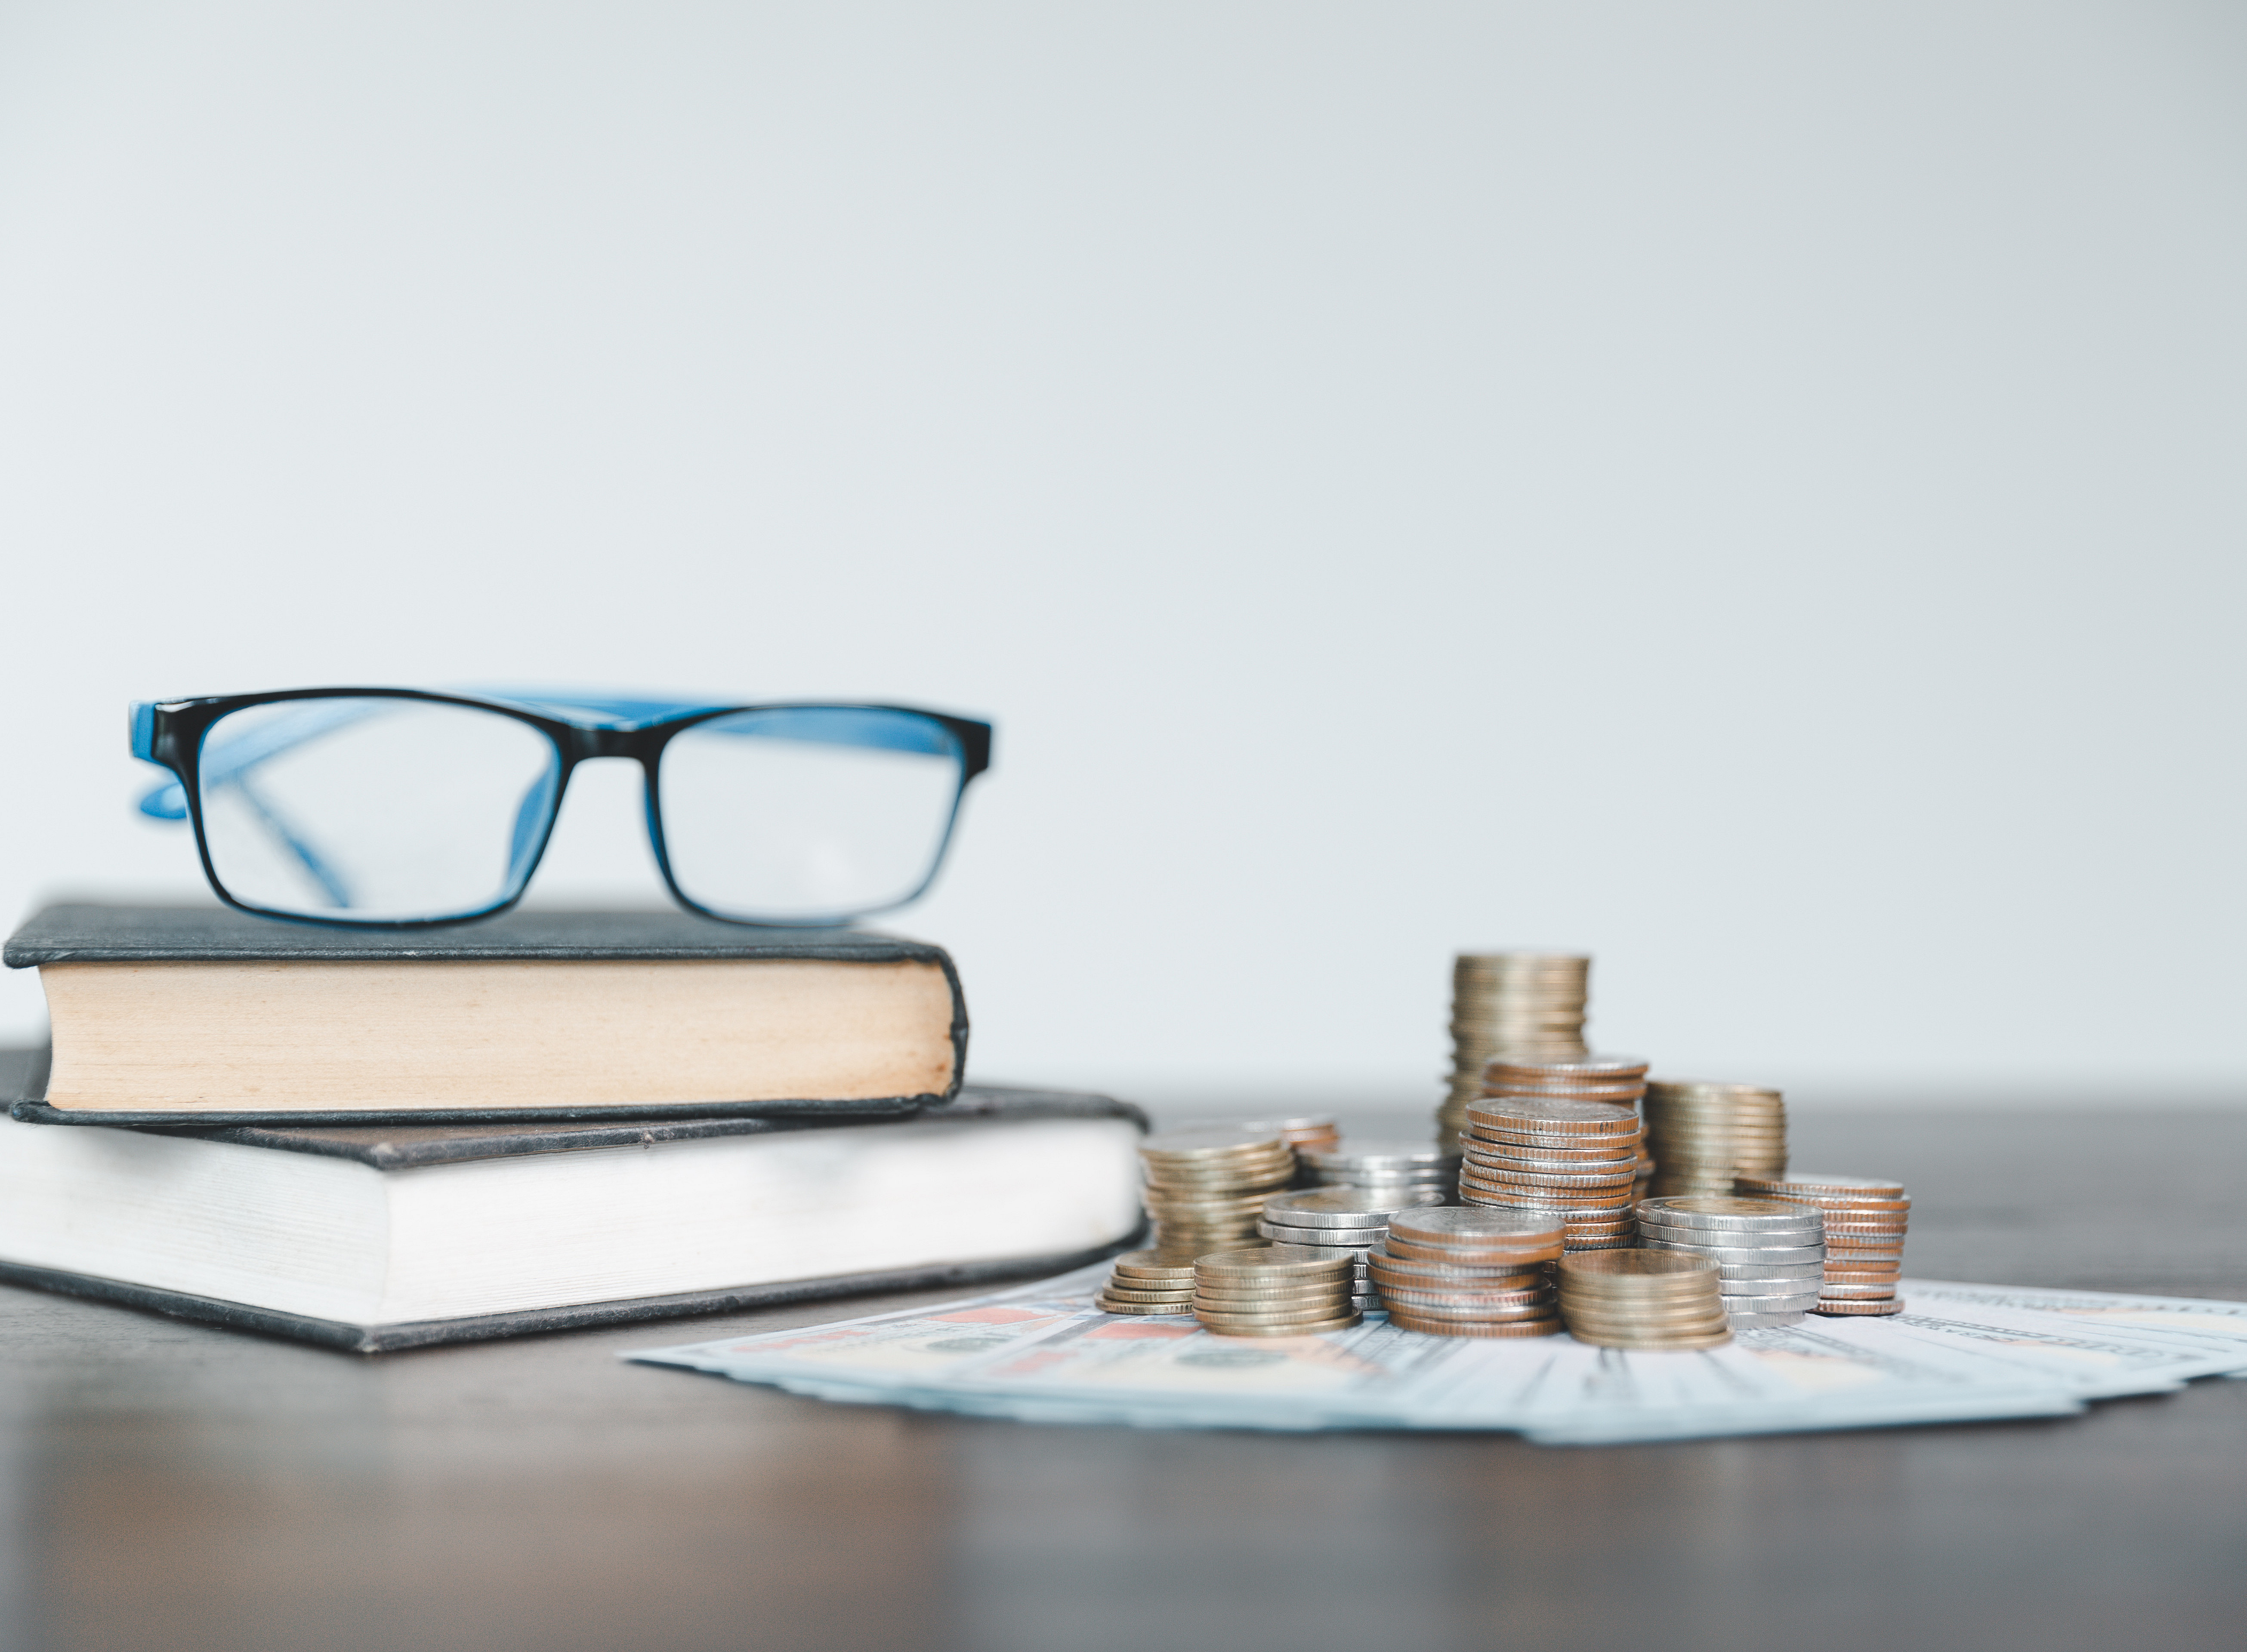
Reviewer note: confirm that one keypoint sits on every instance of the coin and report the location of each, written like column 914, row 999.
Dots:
column 1646, row 1265
column 1404, row 1250
column 1555, row 1117
column 1766, row 1239
column 1658, row 1344
column 1131, row 1293
column 1856, row 1306
column 1340, row 1323
column 1457, row 1225
column 1405, row 1320
column 1158, row 1264
column 1389, row 1271
column 1339, row 1207
column 1164, row 1310
column 1272, row 1227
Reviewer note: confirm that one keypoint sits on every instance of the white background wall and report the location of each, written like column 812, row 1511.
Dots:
column 1755, row 490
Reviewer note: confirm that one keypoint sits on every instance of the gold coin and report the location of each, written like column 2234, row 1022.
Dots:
column 1850, row 1186
column 1168, row 1310
column 1227, row 1327
column 1654, row 1343
column 1470, row 1329
column 1841, row 1307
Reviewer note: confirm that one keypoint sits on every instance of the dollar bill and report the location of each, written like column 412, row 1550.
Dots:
column 1045, row 1352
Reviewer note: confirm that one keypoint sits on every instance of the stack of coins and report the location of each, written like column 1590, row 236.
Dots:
column 1207, row 1188
column 1305, row 1132
column 1451, row 1272
column 1339, row 1221
column 1572, row 1159
column 1149, row 1282
column 1585, row 1078
column 1703, row 1134
column 1649, row 1299
column 1770, row 1255
column 1282, row 1290
column 1385, row 1167
column 1517, row 1004
column 1865, row 1222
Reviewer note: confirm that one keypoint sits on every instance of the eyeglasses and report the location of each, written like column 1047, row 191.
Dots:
column 389, row 808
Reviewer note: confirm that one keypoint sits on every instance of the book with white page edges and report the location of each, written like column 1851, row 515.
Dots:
column 380, row 1238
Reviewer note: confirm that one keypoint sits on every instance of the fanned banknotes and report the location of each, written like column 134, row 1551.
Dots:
column 1043, row 1352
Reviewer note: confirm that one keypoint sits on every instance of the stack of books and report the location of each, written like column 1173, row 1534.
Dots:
column 380, row 1140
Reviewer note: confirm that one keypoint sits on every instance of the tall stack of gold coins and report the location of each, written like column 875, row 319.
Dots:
column 1205, row 1188
column 1448, row 1271
column 1525, row 1004
column 1282, row 1290
column 1865, row 1222
column 1573, row 1160
column 1703, row 1133
column 1642, row 1299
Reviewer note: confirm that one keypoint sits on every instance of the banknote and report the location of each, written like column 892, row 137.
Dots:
column 1045, row 1352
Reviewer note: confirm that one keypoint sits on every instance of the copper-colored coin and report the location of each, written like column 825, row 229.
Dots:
column 1577, row 1246
column 1887, row 1275
column 1405, row 1322
column 1858, row 1306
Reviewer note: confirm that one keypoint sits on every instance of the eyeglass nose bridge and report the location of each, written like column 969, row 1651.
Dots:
column 582, row 744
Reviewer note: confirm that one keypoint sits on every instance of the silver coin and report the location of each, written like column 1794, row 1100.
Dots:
column 1787, row 1303
column 1378, row 1156
column 1769, row 1254
column 1731, row 1214
column 1338, row 1207
column 1766, row 1239
column 1770, row 1304
column 1803, row 1274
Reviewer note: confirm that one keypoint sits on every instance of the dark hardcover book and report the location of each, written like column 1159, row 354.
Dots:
column 380, row 1239
column 162, row 1014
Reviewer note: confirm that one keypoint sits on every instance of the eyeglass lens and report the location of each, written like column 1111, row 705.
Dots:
column 800, row 814
column 374, row 807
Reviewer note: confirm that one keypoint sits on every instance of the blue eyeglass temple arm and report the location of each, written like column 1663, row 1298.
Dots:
column 232, row 760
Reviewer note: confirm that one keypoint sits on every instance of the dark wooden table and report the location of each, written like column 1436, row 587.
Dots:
column 167, row 1486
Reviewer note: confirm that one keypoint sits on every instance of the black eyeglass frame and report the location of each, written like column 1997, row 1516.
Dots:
column 170, row 733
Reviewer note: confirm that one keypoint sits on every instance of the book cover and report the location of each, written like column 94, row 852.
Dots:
column 164, row 1013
